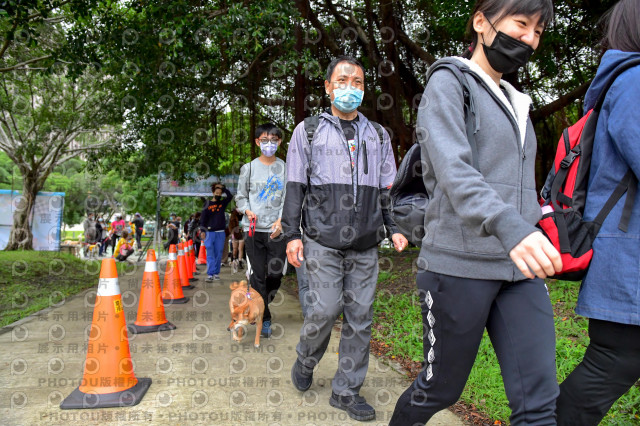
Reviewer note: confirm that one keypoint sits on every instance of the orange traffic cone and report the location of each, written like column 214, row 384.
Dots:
column 192, row 250
column 183, row 268
column 108, row 379
column 190, row 258
column 192, row 262
column 151, row 316
column 202, row 256
column 172, row 289
column 187, row 260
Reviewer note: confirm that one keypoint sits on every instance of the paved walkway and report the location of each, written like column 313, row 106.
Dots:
column 200, row 376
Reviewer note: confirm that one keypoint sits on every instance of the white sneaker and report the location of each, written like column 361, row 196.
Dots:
column 216, row 277
column 209, row 279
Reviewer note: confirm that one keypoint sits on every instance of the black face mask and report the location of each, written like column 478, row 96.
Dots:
column 218, row 197
column 506, row 54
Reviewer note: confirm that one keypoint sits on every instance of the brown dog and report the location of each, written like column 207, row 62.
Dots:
column 247, row 307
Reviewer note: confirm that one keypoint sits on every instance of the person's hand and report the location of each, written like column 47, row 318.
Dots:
column 399, row 242
column 295, row 253
column 536, row 253
column 276, row 229
column 250, row 215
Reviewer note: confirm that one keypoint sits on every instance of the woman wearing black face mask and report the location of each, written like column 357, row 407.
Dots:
column 483, row 261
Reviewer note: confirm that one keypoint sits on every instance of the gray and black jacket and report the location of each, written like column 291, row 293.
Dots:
column 319, row 191
column 476, row 216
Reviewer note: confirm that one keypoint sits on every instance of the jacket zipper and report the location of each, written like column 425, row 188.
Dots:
column 357, row 142
column 520, row 145
column 353, row 182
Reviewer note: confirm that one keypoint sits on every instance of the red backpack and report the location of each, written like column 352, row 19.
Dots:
column 565, row 192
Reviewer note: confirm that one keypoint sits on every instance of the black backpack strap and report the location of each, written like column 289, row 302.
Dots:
column 472, row 122
column 628, row 204
column 380, row 133
column 628, row 183
column 379, row 130
column 248, row 185
column 310, row 126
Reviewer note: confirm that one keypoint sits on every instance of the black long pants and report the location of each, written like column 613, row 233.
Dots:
column 124, row 257
column 611, row 365
column 114, row 242
column 267, row 257
column 519, row 319
column 196, row 245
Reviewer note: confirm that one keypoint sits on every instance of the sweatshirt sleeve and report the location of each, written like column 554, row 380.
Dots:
column 387, row 175
column 227, row 200
column 204, row 215
column 445, row 148
column 296, row 186
column 284, row 193
column 242, row 196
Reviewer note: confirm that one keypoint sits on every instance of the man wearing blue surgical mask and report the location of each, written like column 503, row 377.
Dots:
column 260, row 198
column 340, row 167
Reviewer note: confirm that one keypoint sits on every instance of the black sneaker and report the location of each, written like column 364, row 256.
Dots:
column 301, row 376
column 355, row 405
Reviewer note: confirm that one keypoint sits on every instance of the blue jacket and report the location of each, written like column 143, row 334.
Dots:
column 611, row 289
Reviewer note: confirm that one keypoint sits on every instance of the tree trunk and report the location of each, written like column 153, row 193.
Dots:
column 300, row 91
column 21, row 237
column 252, row 116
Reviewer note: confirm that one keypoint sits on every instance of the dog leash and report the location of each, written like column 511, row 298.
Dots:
column 251, row 234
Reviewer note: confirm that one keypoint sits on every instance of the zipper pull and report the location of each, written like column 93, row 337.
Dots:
column 366, row 161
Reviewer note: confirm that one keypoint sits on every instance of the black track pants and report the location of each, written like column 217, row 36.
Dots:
column 611, row 365
column 519, row 319
column 267, row 257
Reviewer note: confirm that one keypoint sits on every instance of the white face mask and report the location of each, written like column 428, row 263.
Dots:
column 268, row 148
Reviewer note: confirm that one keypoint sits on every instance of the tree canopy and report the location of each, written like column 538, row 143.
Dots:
column 183, row 83
column 179, row 67
column 47, row 116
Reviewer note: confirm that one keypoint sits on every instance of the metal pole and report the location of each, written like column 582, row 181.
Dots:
column 156, row 233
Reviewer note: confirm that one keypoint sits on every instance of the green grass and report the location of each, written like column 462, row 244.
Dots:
column 403, row 337
column 399, row 325
column 34, row 280
column 72, row 235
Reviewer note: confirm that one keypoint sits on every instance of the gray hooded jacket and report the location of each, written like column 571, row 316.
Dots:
column 475, row 217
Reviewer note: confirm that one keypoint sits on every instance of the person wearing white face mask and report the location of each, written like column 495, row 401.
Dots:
column 340, row 167
column 260, row 198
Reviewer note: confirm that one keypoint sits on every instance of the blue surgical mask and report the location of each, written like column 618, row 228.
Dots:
column 348, row 99
column 268, row 148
